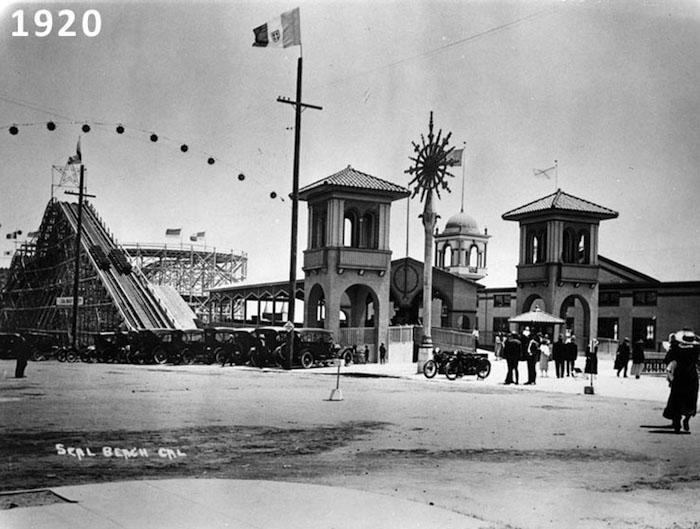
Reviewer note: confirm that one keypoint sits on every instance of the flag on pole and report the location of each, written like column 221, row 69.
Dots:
column 545, row 172
column 455, row 157
column 282, row 32
column 173, row 232
column 193, row 238
column 201, row 234
column 77, row 158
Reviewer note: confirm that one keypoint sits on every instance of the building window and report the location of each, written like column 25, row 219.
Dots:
column 644, row 329
column 644, row 298
column 350, row 229
column 609, row 299
column 368, row 231
column 500, row 325
column 447, row 256
column 318, row 234
column 608, row 328
column 583, row 247
column 501, row 300
column 536, row 240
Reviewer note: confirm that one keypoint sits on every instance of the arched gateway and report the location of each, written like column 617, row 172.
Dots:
column 559, row 259
column 347, row 263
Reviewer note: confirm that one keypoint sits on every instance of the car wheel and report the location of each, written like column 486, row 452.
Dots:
column 61, row 354
column 186, row 357
column 160, row 356
column 307, row 359
column 430, row 369
column 484, row 369
column 72, row 355
column 219, row 355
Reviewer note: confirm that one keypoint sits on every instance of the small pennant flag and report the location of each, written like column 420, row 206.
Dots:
column 455, row 157
column 33, row 234
column 173, row 232
column 77, row 158
column 201, row 234
column 547, row 173
column 282, row 32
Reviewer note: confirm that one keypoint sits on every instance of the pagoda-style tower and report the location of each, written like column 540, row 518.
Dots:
column 461, row 248
column 558, row 266
column 348, row 260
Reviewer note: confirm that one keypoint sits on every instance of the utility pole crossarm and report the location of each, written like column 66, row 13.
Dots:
column 288, row 101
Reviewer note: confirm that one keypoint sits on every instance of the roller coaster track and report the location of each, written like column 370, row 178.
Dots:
column 130, row 292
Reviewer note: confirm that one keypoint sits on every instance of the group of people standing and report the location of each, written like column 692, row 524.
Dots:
column 536, row 350
column 623, row 354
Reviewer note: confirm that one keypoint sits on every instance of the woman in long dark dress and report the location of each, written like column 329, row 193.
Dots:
column 591, row 366
column 682, row 360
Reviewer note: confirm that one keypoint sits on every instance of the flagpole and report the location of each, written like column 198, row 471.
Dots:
column 464, row 149
column 556, row 175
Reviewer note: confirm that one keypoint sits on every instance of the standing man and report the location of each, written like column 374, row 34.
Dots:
column 475, row 335
column 533, row 355
column 22, row 354
column 382, row 353
column 511, row 352
column 558, row 352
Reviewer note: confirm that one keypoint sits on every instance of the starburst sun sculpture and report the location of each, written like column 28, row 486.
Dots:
column 431, row 163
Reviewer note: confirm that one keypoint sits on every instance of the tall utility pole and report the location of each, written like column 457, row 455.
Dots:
column 76, row 272
column 298, row 108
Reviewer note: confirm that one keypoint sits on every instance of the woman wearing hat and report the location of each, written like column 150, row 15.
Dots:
column 638, row 358
column 682, row 360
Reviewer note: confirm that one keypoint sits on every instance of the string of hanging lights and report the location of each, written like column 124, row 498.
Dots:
column 119, row 128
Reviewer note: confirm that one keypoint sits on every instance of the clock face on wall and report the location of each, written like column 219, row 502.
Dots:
column 405, row 279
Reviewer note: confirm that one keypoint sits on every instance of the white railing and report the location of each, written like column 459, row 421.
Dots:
column 401, row 334
column 452, row 339
column 359, row 336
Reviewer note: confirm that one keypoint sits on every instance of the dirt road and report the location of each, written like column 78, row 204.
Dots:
column 513, row 458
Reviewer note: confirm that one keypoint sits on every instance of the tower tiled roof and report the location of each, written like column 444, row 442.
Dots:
column 354, row 179
column 560, row 201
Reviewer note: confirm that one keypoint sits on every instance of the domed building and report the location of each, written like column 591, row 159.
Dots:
column 461, row 248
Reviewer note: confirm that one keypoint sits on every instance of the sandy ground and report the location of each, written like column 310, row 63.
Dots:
column 513, row 457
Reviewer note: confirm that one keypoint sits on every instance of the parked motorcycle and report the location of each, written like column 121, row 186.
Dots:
column 464, row 363
column 437, row 363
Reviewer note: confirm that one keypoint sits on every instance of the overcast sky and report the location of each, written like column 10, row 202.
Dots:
column 610, row 89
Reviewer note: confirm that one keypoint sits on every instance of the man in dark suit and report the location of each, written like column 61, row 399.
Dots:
column 558, row 353
column 511, row 352
column 533, row 356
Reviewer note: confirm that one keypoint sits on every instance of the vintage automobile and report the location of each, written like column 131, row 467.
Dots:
column 311, row 346
column 111, row 347
column 10, row 344
column 230, row 344
column 266, row 341
column 195, row 342
column 172, row 348
column 45, row 345
column 144, row 345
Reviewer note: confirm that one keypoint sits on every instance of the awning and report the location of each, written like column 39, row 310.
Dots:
column 536, row 316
